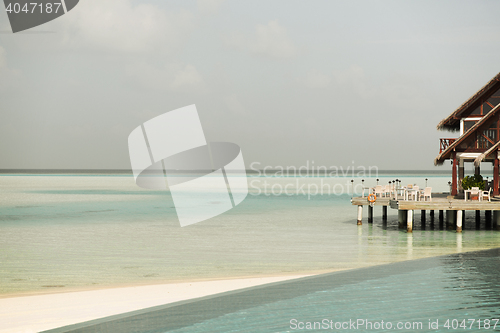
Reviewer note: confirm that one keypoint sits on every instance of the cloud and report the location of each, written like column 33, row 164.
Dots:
column 209, row 7
column 234, row 105
column 8, row 77
column 186, row 77
column 122, row 26
column 269, row 40
column 315, row 79
column 3, row 60
column 171, row 77
column 354, row 81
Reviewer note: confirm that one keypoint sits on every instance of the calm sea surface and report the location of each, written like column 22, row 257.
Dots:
column 72, row 232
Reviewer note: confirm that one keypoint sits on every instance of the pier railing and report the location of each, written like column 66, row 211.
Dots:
column 445, row 143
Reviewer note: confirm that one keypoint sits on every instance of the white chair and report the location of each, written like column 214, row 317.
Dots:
column 387, row 190
column 379, row 191
column 427, row 193
column 486, row 194
column 412, row 195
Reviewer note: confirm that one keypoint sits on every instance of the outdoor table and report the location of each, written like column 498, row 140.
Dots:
column 470, row 192
column 408, row 190
column 399, row 189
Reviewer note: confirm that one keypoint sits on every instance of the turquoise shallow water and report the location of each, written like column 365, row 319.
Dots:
column 73, row 232
column 458, row 292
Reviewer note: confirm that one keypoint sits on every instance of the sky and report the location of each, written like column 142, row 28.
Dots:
column 334, row 83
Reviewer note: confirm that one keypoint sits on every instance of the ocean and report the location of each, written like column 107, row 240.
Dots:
column 66, row 232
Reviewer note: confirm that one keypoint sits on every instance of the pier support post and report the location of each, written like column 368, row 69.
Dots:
column 370, row 214
column 384, row 213
column 451, row 218
column 402, row 217
column 409, row 221
column 478, row 219
column 496, row 219
column 487, row 215
column 431, row 214
column 441, row 216
column 360, row 214
column 422, row 219
column 459, row 220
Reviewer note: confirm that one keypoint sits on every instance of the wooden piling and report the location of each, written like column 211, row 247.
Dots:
column 496, row 219
column 451, row 218
column 441, row 216
column 409, row 221
column 422, row 219
column 360, row 215
column 384, row 213
column 370, row 214
column 402, row 218
column 459, row 220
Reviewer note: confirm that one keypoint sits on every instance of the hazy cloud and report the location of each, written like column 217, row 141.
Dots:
column 209, row 7
column 172, row 77
column 269, row 39
column 122, row 26
column 315, row 79
column 186, row 77
column 8, row 76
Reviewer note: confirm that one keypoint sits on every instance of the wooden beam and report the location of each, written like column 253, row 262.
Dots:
column 495, row 174
column 454, row 175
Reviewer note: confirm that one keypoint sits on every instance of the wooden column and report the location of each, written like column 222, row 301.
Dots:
column 370, row 214
column 454, row 175
column 409, row 221
column 360, row 214
column 459, row 220
column 461, row 174
column 451, row 219
column 495, row 174
column 384, row 213
column 422, row 219
column 402, row 217
column 496, row 219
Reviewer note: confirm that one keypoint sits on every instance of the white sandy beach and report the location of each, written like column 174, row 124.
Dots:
column 28, row 314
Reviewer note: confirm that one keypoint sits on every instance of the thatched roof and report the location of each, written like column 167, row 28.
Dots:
column 441, row 157
column 481, row 157
column 452, row 122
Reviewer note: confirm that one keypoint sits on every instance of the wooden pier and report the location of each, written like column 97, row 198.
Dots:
column 453, row 206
